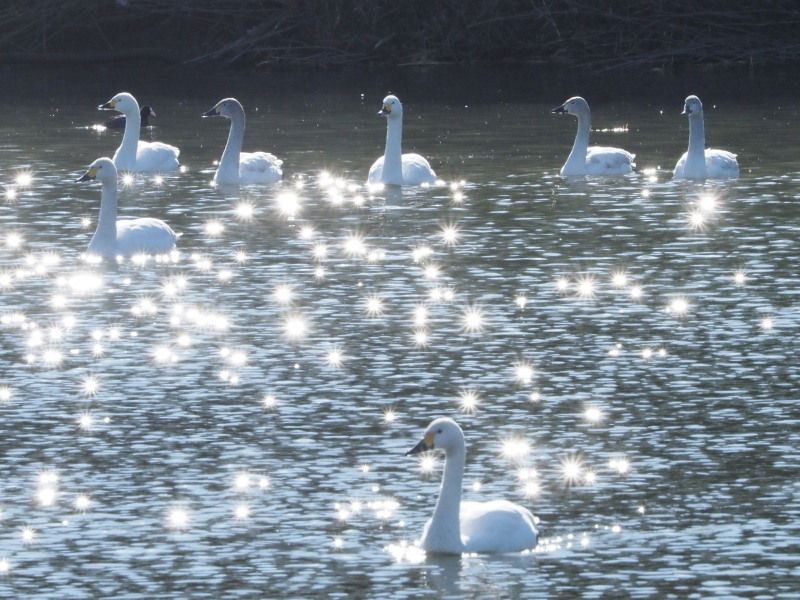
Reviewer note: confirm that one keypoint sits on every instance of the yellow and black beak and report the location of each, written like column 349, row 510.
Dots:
column 425, row 445
column 110, row 105
column 90, row 175
column 560, row 109
column 214, row 112
column 386, row 110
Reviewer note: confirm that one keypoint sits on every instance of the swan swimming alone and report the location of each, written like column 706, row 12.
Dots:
column 698, row 162
column 237, row 167
column 134, row 154
column 591, row 160
column 118, row 121
column 493, row 527
column 123, row 237
column 394, row 167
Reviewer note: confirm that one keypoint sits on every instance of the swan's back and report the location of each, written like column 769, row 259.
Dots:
column 156, row 156
column 497, row 527
column 259, row 167
column 416, row 170
column 720, row 164
column 602, row 160
column 145, row 235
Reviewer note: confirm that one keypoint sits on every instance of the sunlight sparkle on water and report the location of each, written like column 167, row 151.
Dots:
column 473, row 319
column 739, row 277
column 421, row 337
column 244, row 210
column 82, row 503
column 284, row 294
column 619, row 278
column 23, row 179
column 421, row 253
column 90, row 385
column 14, row 240
column 178, row 518
column 679, row 306
column 587, row 285
column 389, row 416
column 288, row 204
column 373, row 306
column 5, row 394
column 214, row 228
column 269, row 401
column 521, row 301
column 334, row 357
column 767, row 324
column 468, row 400
column 562, row 284
column 524, row 372
column 354, row 245
column 241, row 512
column 86, row 421
column 593, row 414
column 295, row 327
column 428, row 463
column 449, row 234
column 515, row 449
column 571, row 469
column 27, row 534
column 696, row 219
column 5, row 566
column 620, row 465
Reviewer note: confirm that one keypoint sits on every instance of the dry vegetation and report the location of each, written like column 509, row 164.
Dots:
column 338, row 32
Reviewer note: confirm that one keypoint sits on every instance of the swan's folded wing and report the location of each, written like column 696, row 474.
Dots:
column 602, row 160
column 496, row 527
column 257, row 167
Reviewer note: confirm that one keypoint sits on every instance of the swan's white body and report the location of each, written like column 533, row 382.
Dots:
column 698, row 162
column 591, row 160
column 123, row 237
column 457, row 527
column 394, row 167
column 237, row 167
column 134, row 154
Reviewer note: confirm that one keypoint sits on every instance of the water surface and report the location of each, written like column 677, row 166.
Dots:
column 166, row 434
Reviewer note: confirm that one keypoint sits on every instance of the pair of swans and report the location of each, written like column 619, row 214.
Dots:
column 696, row 163
column 457, row 527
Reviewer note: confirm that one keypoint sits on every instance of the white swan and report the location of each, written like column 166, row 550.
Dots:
column 698, row 162
column 134, row 154
column 594, row 160
column 237, row 167
column 123, row 237
column 394, row 167
column 456, row 527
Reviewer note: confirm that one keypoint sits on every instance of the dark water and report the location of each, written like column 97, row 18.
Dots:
column 219, row 456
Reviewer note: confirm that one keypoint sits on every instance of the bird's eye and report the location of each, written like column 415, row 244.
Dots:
column 438, row 431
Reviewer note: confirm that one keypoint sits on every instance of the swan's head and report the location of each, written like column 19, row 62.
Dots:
column 147, row 111
column 229, row 107
column 573, row 106
column 692, row 106
column 441, row 434
column 391, row 108
column 122, row 102
column 102, row 169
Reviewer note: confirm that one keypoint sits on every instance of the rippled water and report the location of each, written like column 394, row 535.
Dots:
column 165, row 436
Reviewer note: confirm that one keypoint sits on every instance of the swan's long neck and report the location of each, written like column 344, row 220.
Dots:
column 695, row 166
column 576, row 161
column 125, row 156
column 228, row 169
column 104, row 239
column 445, row 527
column 392, row 173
